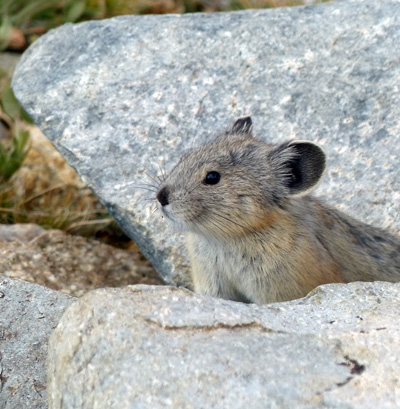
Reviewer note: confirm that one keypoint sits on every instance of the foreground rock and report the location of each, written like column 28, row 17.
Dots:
column 161, row 347
column 123, row 97
column 72, row 264
column 28, row 314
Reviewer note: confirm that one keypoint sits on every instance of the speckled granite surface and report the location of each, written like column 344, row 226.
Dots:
column 160, row 347
column 28, row 315
column 121, row 98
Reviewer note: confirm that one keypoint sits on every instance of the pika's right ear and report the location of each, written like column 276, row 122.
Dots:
column 242, row 126
column 299, row 164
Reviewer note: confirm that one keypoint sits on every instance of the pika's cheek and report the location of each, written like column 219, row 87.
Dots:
column 248, row 205
column 250, row 213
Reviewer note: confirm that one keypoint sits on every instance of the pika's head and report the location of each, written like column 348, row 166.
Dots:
column 232, row 185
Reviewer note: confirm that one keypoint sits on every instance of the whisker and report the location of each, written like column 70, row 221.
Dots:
column 162, row 170
column 153, row 176
column 149, row 188
column 156, row 186
column 141, row 202
column 149, row 199
column 145, row 201
column 148, row 184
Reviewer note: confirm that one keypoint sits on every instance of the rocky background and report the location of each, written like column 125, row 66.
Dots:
column 140, row 90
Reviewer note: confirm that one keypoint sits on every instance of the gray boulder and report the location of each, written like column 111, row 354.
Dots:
column 160, row 347
column 123, row 98
column 28, row 314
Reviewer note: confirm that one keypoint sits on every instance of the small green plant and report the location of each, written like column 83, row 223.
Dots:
column 11, row 159
column 11, row 114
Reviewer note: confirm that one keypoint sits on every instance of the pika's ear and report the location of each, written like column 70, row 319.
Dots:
column 242, row 126
column 301, row 165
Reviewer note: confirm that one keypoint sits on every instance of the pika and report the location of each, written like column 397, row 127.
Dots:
column 254, row 234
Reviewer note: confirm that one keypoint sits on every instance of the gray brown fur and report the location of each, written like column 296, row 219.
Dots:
column 256, row 235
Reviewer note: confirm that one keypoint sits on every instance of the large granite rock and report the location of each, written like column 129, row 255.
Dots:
column 122, row 98
column 160, row 347
column 28, row 315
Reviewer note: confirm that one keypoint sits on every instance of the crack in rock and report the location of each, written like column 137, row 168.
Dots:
column 212, row 327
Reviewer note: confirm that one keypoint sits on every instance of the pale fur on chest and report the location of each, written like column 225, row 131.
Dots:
column 223, row 267
column 259, row 271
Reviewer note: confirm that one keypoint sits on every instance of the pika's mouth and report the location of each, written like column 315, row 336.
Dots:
column 165, row 212
column 175, row 222
column 168, row 214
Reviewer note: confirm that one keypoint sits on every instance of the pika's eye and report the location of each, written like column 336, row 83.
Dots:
column 212, row 178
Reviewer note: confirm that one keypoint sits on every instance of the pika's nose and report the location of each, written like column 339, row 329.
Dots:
column 162, row 196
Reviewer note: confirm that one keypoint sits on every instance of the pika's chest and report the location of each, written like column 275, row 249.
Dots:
column 226, row 260
column 236, row 271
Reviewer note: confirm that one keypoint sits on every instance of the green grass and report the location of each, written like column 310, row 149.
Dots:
column 12, row 116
